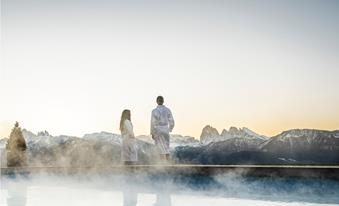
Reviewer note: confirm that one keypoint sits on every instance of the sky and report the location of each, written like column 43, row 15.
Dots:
column 71, row 67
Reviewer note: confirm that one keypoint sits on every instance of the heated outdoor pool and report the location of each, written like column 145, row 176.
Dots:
column 140, row 189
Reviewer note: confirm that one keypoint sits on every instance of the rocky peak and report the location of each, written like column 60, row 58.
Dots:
column 224, row 132
column 208, row 132
column 233, row 130
column 43, row 133
column 28, row 134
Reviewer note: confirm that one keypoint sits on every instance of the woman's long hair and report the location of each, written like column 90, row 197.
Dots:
column 126, row 114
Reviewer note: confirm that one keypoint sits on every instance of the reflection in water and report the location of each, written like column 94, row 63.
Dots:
column 129, row 191
column 163, row 199
column 159, row 190
column 130, row 197
column 163, row 191
column 134, row 184
column 17, row 193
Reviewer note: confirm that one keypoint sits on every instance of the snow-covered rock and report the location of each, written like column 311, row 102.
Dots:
column 104, row 137
column 242, row 133
column 3, row 154
column 231, row 146
column 210, row 134
column 300, row 139
column 175, row 140
column 3, row 142
column 179, row 140
column 44, row 139
column 306, row 145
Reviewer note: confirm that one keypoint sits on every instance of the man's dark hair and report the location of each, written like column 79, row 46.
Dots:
column 160, row 100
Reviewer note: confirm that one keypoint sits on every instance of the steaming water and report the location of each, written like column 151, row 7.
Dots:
column 165, row 191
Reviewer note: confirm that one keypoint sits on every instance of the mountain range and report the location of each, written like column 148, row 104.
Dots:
column 232, row 146
column 243, row 146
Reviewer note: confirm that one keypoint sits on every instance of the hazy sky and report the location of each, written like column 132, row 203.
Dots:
column 71, row 67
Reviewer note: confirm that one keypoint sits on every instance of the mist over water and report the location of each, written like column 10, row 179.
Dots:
column 165, row 190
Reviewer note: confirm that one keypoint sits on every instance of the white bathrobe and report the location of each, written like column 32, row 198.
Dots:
column 162, row 123
column 129, row 150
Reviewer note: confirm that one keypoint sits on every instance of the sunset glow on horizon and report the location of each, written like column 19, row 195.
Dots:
column 71, row 67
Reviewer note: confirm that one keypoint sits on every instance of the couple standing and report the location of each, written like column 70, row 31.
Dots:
column 162, row 123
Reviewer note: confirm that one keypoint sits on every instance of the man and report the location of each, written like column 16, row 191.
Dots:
column 162, row 123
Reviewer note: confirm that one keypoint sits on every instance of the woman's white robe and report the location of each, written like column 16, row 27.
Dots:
column 129, row 150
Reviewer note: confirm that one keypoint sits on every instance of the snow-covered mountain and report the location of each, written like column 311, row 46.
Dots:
column 175, row 140
column 297, row 146
column 96, row 149
column 179, row 140
column 305, row 144
column 90, row 150
column 244, row 132
column 44, row 139
column 233, row 146
column 292, row 139
column 104, row 137
column 3, row 142
column 233, row 140
column 215, row 147
column 211, row 135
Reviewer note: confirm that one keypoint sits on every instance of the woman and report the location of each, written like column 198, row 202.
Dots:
column 129, row 152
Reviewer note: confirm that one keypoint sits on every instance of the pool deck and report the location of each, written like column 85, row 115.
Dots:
column 327, row 172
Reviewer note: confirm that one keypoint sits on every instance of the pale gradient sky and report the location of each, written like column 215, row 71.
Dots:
column 71, row 67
